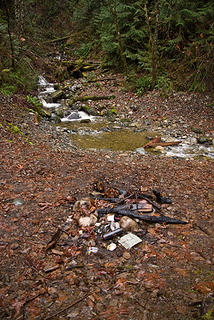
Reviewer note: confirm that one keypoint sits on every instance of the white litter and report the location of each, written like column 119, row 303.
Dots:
column 129, row 240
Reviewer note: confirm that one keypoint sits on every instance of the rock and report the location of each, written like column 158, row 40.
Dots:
column 90, row 111
column 204, row 139
column 18, row 202
column 197, row 130
column 159, row 149
column 74, row 116
column 85, row 121
column 126, row 255
column 56, row 95
column 59, row 112
column 128, row 224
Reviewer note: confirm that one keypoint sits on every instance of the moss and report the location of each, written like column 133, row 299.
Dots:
column 209, row 315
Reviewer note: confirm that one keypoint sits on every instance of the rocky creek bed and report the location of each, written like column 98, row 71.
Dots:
column 97, row 124
column 48, row 267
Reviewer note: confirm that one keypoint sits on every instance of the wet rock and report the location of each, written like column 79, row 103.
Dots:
column 204, row 139
column 90, row 111
column 55, row 96
column 59, row 112
column 159, row 149
column 85, row 121
column 74, row 116
column 197, row 130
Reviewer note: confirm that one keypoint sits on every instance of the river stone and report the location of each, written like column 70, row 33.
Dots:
column 74, row 116
column 160, row 149
column 128, row 224
column 59, row 113
column 85, row 121
column 56, row 95
column 204, row 139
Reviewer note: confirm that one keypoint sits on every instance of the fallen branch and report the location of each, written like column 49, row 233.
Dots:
column 157, row 142
column 105, row 79
column 58, row 39
column 146, row 218
column 145, row 197
column 68, row 307
column 164, row 144
column 158, row 139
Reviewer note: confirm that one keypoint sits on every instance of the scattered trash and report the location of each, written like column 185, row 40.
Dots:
column 112, row 234
column 92, row 250
column 146, row 218
column 108, row 214
column 129, row 240
column 83, row 203
column 114, row 225
column 87, row 221
column 112, row 246
column 110, row 217
column 18, row 202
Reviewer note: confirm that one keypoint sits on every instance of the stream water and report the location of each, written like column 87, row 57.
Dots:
column 96, row 132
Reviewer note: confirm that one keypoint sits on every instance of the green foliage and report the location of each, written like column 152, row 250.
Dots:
column 34, row 101
column 84, row 50
column 208, row 315
column 15, row 129
column 164, row 84
column 143, row 84
column 7, row 89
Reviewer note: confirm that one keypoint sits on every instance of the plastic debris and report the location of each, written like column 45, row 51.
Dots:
column 112, row 246
column 87, row 221
column 112, row 234
column 129, row 240
column 92, row 250
column 110, row 217
column 18, row 202
column 114, row 225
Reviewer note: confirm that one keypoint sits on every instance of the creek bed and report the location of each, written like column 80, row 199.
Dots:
column 96, row 132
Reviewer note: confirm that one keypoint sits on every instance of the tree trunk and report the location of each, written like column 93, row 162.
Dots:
column 9, row 34
column 115, row 17
column 155, row 46
column 153, row 39
column 19, row 16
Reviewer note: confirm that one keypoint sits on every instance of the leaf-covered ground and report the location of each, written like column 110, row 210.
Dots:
column 169, row 275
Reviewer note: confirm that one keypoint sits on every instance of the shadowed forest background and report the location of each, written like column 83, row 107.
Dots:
column 167, row 45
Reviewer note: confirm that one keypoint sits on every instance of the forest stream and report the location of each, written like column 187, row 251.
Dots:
column 101, row 133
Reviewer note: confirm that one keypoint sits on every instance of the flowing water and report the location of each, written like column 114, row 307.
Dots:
column 90, row 132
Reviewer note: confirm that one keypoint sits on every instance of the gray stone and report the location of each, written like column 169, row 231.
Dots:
column 74, row 116
column 56, row 95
